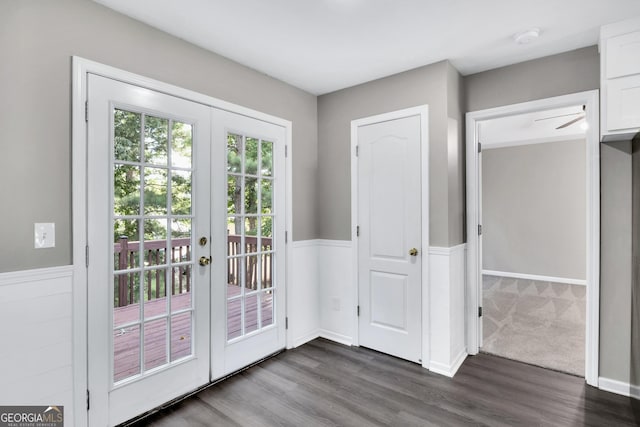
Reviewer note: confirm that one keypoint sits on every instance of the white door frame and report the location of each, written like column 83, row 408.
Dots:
column 474, row 264
column 80, row 69
column 423, row 112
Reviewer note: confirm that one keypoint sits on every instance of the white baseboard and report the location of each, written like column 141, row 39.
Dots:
column 448, row 370
column 568, row 281
column 332, row 336
column 306, row 338
column 619, row 387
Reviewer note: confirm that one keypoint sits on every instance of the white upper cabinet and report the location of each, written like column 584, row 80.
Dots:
column 620, row 80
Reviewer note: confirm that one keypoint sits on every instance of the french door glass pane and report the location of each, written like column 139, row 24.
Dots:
column 250, row 222
column 152, row 235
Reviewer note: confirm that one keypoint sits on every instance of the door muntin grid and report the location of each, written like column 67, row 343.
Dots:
column 152, row 220
column 251, row 250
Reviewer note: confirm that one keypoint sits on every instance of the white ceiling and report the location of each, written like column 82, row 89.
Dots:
column 325, row 45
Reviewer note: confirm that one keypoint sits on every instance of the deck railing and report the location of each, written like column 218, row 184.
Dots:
column 156, row 253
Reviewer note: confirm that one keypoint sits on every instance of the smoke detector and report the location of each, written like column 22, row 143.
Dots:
column 527, row 37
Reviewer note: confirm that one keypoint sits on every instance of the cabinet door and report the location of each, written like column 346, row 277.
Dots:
column 623, row 103
column 623, row 55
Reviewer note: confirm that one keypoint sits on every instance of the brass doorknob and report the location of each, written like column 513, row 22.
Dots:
column 204, row 261
column 413, row 251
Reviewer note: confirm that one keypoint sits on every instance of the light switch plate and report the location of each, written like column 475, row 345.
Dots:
column 45, row 235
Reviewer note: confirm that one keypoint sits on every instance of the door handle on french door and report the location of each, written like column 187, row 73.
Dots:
column 413, row 252
column 204, row 261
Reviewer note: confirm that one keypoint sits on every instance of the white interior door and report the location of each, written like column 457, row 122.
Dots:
column 248, row 293
column 390, row 253
column 148, row 206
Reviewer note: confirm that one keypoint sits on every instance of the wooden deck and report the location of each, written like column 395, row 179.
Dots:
column 126, row 340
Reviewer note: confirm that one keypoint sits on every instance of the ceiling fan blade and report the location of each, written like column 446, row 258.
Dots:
column 570, row 122
column 556, row 117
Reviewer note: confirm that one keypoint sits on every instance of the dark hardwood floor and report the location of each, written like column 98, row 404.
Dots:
column 326, row 384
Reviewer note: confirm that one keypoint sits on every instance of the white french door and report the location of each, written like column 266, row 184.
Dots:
column 185, row 246
column 390, row 252
column 248, row 166
column 148, row 205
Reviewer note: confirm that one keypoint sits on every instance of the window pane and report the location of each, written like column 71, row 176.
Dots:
column 251, row 313
column 266, row 191
column 155, row 344
column 266, row 226
column 126, row 190
column 181, row 288
column 234, row 153
column 251, row 156
column 181, row 134
column 234, row 194
column 126, row 135
column 266, row 270
column 181, row 240
column 234, row 273
column 126, row 236
column 234, row 318
column 250, row 231
column 267, row 158
column 155, row 242
column 181, row 192
column 126, row 352
column 155, row 140
column 155, row 303
column 180, row 336
column 266, row 307
column 252, row 273
column 155, row 191
column 251, row 196
column 126, row 296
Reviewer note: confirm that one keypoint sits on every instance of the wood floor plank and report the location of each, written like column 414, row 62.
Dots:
column 323, row 383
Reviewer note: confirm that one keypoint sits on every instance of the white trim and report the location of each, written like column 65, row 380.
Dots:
column 332, row 336
column 288, row 251
column 590, row 99
column 447, row 251
column 305, row 338
column 35, row 275
column 80, row 69
column 423, row 111
column 619, row 387
column 333, row 243
column 505, row 144
column 537, row 277
column 449, row 370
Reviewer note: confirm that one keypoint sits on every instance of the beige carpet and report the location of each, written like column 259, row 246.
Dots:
column 540, row 323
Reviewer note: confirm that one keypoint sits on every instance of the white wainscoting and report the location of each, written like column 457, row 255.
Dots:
column 447, row 309
column 303, row 308
column 619, row 387
column 36, row 334
column 337, row 305
column 537, row 277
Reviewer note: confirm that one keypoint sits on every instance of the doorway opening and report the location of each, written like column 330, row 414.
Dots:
column 533, row 232
column 533, row 244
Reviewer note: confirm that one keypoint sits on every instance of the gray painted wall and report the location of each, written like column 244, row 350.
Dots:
column 634, row 357
column 37, row 40
column 436, row 85
column 534, row 209
column 615, row 260
column 561, row 74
